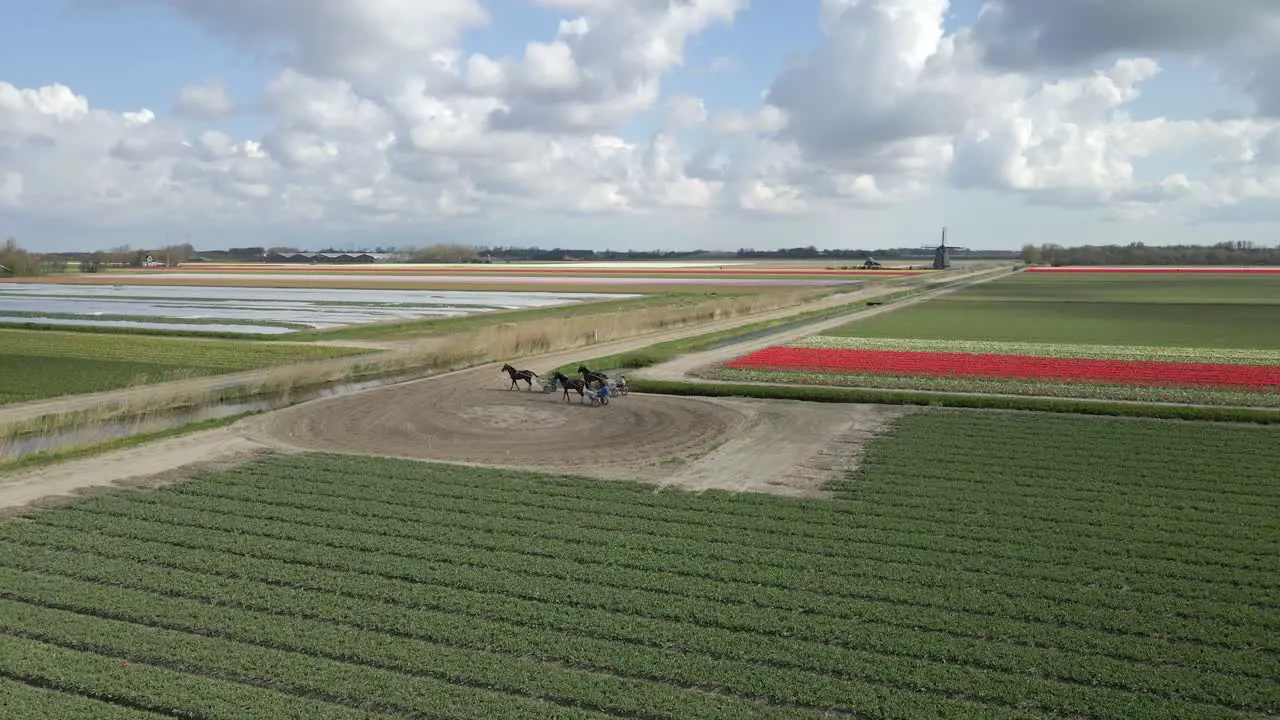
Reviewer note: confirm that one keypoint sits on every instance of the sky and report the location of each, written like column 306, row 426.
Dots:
column 638, row 124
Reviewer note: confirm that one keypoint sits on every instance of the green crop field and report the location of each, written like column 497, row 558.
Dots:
column 1002, row 566
column 40, row 364
column 1227, row 311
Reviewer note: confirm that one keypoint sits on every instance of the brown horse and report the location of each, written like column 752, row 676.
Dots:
column 592, row 377
column 569, row 383
column 518, row 375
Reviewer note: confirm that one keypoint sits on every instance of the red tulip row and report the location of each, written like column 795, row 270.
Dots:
column 1021, row 367
column 1159, row 270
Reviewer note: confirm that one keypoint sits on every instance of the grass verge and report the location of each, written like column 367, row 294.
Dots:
column 50, row 457
column 997, row 402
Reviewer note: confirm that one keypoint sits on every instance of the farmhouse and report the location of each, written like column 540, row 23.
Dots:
column 328, row 257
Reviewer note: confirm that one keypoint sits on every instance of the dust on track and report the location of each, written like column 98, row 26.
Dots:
column 696, row 443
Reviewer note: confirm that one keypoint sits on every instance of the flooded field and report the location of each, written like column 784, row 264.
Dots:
column 257, row 310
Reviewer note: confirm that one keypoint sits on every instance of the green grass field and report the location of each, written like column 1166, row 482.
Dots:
column 1229, row 311
column 992, row 565
column 39, row 364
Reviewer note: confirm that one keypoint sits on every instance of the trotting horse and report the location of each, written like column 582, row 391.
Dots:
column 569, row 383
column 590, row 377
column 518, row 375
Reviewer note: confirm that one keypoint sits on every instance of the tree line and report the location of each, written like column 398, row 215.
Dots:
column 1224, row 253
column 17, row 262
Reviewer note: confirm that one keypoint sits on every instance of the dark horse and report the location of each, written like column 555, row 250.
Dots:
column 569, row 383
column 590, row 377
column 518, row 375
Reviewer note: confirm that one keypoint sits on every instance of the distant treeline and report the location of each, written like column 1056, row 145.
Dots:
column 561, row 254
column 1225, row 253
column 812, row 253
column 16, row 262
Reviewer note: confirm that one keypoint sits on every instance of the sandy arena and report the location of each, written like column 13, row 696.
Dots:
column 700, row 443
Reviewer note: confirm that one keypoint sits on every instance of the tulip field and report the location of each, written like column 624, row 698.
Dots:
column 976, row 565
column 1198, row 339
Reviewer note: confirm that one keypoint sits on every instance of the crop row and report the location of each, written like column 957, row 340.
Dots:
column 395, row 654
column 214, row 354
column 856, row 624
column 834, row 515
column 112, row 632
column 880, row 618
column 826, row 517
column 960, row 481
column 804, row 516
column 1107, row 449
column 1091, row 484
column 775, row 569
column 19, row 699
column 848, row 546
column 1235, row 356
column 888, row 514
column 772, row 607
column 465, row 647
column 1178, row 456
column 778, row 571
column 907, row 363
column 1014, row 514
column 880, row 627
column 1007, row 386
column 153, row 688
column 677, row 518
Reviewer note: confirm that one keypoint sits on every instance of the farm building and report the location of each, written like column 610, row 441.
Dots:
column 328, row 257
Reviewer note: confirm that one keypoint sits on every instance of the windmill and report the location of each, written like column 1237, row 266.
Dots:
column 942, row 253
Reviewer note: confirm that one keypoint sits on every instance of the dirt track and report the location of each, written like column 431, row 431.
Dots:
column 473, row 419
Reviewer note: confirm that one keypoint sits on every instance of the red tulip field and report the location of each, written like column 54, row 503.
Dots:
column 1206, row 338
column 1047, row 370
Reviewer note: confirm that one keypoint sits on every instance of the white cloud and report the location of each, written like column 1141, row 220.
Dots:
column 723, row 64
column 207, row 101
column 380, row 117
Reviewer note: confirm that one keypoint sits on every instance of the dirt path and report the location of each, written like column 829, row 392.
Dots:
column 470, row 417
column 151, row 464
column 789, row 448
